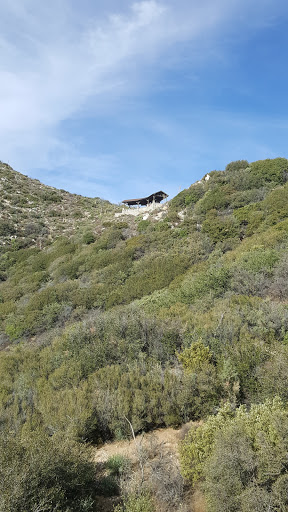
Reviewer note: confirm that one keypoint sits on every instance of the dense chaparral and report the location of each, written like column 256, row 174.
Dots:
column 112, row 323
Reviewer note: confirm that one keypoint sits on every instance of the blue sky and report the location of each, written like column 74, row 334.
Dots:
column 119, row 99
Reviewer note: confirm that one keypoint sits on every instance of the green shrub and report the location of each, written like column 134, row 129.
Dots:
column 198, row 444
column 247, row 468
column 220, row 228
column 151, row 272
column 51, row 196
column 143, row 225
column 137, row 502
column 89, row 238
column 195, row 192
column 236, row 166
column 266, row 171
column 215, row 280
column 196, row 357
column 217, row 198
column 250, row 217
column 7, row 228
column 47, row 475
column 117, row 464
column 245, row 197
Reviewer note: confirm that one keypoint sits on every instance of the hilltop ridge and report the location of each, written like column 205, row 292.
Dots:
column 74, row 252
column 34, row 213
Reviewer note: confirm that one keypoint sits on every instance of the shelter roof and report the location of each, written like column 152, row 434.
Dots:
column 157, row 197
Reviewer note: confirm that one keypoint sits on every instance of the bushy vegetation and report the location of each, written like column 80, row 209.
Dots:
column 43, row 473
column 154, row 322
column 33, row 214
column 241, row 457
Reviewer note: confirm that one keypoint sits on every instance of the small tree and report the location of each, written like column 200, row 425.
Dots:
column 196, row 357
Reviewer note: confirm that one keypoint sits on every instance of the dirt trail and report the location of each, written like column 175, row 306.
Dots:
column 166, row 439
column 158, row 450
column 155, row 449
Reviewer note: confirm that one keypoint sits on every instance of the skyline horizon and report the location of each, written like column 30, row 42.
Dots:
column 114, row 99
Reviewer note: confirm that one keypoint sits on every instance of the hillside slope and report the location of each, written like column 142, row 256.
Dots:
column 159, row 322
column 33, row 214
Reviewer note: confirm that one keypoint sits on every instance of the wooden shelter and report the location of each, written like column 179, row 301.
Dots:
column 157, row 197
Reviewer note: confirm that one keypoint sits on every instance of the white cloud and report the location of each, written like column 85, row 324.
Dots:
column 57, row 60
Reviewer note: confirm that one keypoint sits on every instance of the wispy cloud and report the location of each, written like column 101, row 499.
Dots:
column 59, row 61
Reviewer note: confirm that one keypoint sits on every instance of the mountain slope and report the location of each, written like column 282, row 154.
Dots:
column 33, row 214
column 156, row 321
